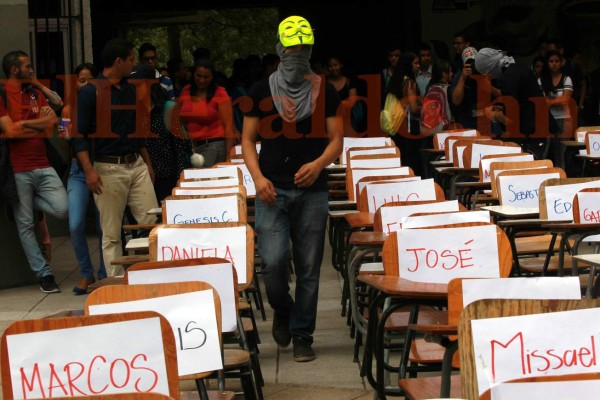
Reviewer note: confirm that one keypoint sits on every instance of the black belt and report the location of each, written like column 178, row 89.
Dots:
column 207, row 141
column 126, row 159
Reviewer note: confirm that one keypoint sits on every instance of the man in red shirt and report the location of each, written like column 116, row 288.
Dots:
column 24, row 117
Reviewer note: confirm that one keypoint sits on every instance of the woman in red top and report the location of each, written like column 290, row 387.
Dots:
column 207, row 114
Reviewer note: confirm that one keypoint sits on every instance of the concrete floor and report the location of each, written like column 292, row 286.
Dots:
column 332, row 376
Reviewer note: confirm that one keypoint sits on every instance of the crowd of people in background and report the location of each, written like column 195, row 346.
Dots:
column 437, row 94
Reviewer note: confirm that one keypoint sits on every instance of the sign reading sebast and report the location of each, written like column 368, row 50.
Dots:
column 522, row 191
column 511, row 348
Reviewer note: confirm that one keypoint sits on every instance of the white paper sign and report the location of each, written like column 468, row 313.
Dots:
column 391, row 217
column 201, row 173
column 438, row 256
column 524, row 346
column 589, row 207
column 219, row 276
column 559, row 199
column 581, row 136
column 202, row 191
column 194, row 322
column 364, row 142
column 521, row 288
column 522, row 191
column 358, row 174
column 441, row 137
column 106, row 358
column 423, row 221
column 210, row 183
column 187, row 243
column 202, row 211
column 459, row 154
column 362, row 185
column 376, row 163
column 238, row 148
column 379, row 194
column 485, row 164
column 481, row 150
column 561, row 390
column 594, row 139
column 246, row 179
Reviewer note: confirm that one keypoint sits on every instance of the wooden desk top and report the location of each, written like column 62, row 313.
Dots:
column 137, row 244
column 335, row 168
column 341, row 213
column 588, row 156
column 570, row 226
column 155, row 211
column 593, row 259
column 508, row 211
column 396, row 286
column 477, row 185
column 458, row 170
column 369, row 238
column 528, row 222
column 573, row 143
column 360, row 219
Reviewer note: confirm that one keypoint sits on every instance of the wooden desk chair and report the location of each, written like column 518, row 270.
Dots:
column 179, row 191
column 354, row 175
column 497, row 167
column 131, row 293
column 592, row 143
column 474, row 152
column 368, row 142
column 428, row 219
column 586, row 213
column 214, row 272
column 502, row 288
column 450, row 142
column 236, row 151
column 212, row 173
column 222, row 208
column 582, row 130
column 375, row 194
column 486, row 161
column 498, row 308
column 84, row 349
column 380, row 150
column 208, row 182
column 439, row 139
column 374, row 161
column 246, row 177
column 361, row 204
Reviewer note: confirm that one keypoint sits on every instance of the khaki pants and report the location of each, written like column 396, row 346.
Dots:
column 122, row 185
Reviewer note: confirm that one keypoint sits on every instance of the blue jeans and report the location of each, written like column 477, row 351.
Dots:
column 39, row 189
column 79, row 198
column 298, row 216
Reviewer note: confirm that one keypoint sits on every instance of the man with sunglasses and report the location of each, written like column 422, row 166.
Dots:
column 147, row 55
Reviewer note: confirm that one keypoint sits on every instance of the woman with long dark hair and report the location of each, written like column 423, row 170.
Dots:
column 435, row 114
column 207, row 114
column 558, row 89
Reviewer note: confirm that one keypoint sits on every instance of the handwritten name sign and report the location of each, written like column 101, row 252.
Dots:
column 559, row 199
column 438, row 256
column 377, row 150
column 560, row 390
column 391, row 217
column 481, row 150
column 589, row 207
column 423, row 221
column 117, row 362
column 246, row 179
column 581, row 136
column 219, row 276
column 202, row 211
column 358, row 174
column 485, row 163
column 512, row 348
column 593, row 143
column 200, row 173
column 186, row 243
column 522, row 191
column 194, row 322
column 521, row 288
column 364, row 142
column 363, row 184
column 440, row 138
column 209, row 182
column 380, row 193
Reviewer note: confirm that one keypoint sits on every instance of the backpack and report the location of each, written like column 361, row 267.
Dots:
column 392, row 115
column 434, row 111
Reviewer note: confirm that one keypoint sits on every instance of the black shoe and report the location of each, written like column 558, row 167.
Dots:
column 281, row 331
column 49, row 285
column 303, row 351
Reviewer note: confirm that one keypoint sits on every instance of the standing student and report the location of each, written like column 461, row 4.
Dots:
column 117, row 167
column 79, row 198
column 24, row 115
column 291, row 186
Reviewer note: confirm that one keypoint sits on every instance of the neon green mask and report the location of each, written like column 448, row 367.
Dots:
column 294, row 31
